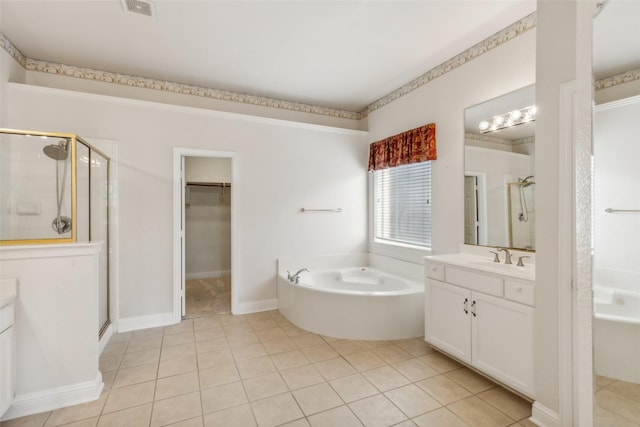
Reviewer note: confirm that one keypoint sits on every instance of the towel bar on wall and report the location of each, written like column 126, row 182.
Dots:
column 609, row 210
column 320, row 210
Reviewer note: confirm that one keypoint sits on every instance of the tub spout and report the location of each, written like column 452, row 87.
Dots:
column 296, row 277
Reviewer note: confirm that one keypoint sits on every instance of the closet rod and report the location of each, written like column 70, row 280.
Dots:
column 209, row 184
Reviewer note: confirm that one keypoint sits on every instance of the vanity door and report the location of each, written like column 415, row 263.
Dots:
column 502, row 340
column 447, row 319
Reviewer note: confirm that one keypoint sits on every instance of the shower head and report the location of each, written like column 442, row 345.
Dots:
column 57, row 151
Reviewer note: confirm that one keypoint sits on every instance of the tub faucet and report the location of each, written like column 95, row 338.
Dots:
column 507, row 255
column 296, row 277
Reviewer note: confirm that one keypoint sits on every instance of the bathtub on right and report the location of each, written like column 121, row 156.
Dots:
column 616, row 324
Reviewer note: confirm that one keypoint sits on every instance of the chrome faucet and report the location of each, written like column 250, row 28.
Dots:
column 507, row 255
column 296, row 277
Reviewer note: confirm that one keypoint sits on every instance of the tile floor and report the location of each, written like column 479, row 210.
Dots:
column 617, row 403
column 259, row 369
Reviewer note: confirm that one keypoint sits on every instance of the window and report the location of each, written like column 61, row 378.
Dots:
column 402, row 204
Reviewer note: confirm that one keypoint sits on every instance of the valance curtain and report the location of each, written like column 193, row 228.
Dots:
column 413, row 146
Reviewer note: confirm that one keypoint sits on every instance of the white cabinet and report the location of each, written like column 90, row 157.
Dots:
column 502, row 341
column 478, row 323
column 447, row 320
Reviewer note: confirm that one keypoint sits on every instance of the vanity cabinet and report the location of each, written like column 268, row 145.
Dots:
column 483, row 320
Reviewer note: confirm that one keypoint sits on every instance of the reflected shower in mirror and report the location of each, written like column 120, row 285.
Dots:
column 499, row 184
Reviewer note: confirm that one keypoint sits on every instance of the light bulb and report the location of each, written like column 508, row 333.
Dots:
column 498, row 120
column 515, row 114
column 484, row 125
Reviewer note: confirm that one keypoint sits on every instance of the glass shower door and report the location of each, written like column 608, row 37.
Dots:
column 99, row 208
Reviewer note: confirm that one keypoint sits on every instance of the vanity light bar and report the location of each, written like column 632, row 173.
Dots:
column 510, row 119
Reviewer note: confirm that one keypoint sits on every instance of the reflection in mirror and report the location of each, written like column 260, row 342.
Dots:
column 499, row 183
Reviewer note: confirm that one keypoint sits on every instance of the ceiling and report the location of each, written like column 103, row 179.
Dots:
column 341, row 54
column 616, row 38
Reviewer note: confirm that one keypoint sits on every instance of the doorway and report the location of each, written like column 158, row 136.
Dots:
column 207, row 236
column 475, row 196
column 204, row 233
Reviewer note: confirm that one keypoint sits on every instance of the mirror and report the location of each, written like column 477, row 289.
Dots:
column 499, row 182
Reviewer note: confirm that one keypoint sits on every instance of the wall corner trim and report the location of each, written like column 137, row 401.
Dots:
column 48, row 400
column 543, row 416
column 257, row 306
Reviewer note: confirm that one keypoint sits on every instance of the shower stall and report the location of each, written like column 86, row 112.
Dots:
column 54, row 189
column 521, row 212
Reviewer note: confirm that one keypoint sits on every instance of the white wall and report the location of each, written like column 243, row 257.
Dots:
column 617, row 179
column 282, row 167
column 554, row 68
column 208, row 232
column 614, row 93
column 563, row 348
column 10, row 70
column 443, row 101
column 56, row 325
column 207, row 169
column 207, row 218
column 124, row 91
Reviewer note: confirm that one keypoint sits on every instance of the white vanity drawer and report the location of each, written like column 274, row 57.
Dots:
column 475, row 281
column 435, row 271
column 519, row 292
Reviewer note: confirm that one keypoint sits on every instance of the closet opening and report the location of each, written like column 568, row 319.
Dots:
column 204, row 197
column 207, row 231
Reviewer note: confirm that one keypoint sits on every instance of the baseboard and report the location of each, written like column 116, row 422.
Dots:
column 207, row 274
column 143, row 322
column 48, row 400
column 256, row 306
column 543, row 416
column 104, row 340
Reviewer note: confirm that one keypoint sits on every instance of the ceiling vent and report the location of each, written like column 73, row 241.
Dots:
column 142, row 7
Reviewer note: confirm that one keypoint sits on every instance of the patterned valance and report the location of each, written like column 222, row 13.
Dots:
column 413, row 146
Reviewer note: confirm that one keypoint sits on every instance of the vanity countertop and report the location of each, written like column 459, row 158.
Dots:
column 485, row 264
column 8, row 291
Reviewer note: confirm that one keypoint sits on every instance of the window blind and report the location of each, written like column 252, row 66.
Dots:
column 402, row 205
